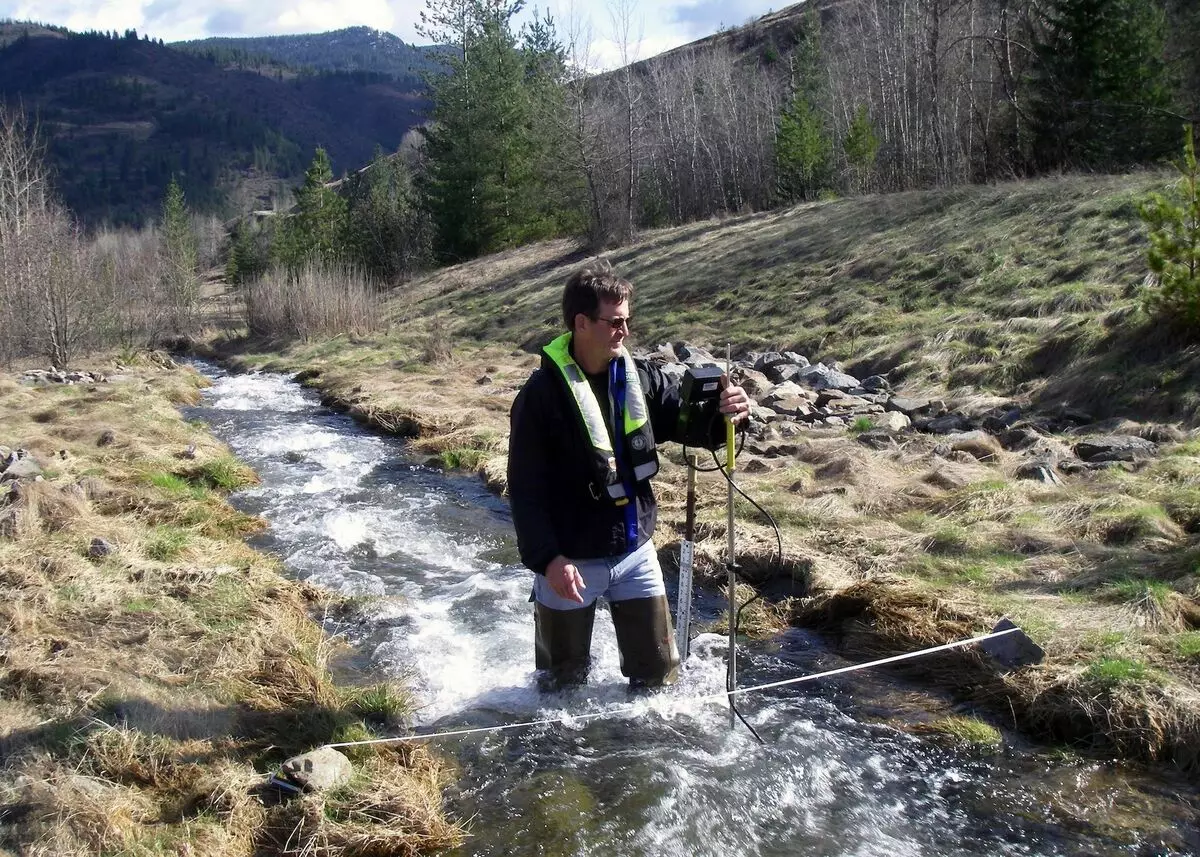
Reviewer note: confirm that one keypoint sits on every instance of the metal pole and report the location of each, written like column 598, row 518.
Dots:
column 683, row 611
column 730, row 558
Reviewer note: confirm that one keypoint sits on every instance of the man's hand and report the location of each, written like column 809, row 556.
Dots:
column 564, row 578
column 734, row 401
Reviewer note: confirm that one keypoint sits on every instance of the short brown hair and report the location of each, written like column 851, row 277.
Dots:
column 587, row 287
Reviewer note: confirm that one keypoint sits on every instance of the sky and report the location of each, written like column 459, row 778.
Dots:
column 654, row 27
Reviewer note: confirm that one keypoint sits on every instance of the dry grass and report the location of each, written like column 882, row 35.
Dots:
column 144, row 691
column 398, row 815
column 313, row 302
column 1137, row 718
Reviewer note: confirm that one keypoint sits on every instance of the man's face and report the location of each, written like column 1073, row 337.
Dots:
column 596, row 340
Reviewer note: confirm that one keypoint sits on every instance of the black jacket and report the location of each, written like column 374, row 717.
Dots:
column 549, row 471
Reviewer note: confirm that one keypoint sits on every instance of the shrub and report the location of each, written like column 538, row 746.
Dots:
column 1174, row 255
column 316, row 301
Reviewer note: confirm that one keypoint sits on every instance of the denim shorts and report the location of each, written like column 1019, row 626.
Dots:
column 636, row 574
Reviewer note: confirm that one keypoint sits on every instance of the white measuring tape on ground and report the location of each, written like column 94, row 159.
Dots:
column 619, row 709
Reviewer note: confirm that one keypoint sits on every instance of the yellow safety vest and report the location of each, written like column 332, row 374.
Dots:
column 639, row 437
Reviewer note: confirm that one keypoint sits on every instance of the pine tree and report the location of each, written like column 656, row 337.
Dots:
column 180, row 278
column 803, row 147
column 479, row 151
column 802, row 152
column 861, row 146
column 556, row 190
column 387, row 232
column 1174, row 255
column 1101, row 88
column 249, row 253
column 315, row 231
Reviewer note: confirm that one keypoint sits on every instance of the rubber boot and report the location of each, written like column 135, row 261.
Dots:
column 646, row 640
column 562, row 641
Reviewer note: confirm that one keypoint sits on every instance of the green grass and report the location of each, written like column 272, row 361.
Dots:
column 225, row 473
column 949, row 539
column 215, row 519
column 1188, row 447
column 166, row 542
column 382, row 703
column 175, row 486
column 352, row 732
column 995, row 286
column 1035, row 621
column 861, row 425
column 967, row 730
column 1106, row 642
column 71, row 592
column 1111, row 672
column 1187, row 645
column 463, row 458
column 224, row 606
column 795, row 516
column 1130, row 590
column 981, row 569
column 1133, row 522
column 1182, row 505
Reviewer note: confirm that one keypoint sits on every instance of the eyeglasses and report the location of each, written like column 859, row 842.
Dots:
column 616, row 322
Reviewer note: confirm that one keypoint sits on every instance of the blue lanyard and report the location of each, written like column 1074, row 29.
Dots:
column 617, row 384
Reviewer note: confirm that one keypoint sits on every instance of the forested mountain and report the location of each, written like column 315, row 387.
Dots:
column 349, row 50
column 121, row 114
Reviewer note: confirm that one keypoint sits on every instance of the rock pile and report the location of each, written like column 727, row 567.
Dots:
column 43, row 377
column 793, row 396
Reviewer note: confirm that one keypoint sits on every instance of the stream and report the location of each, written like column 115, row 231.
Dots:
column 667, row 774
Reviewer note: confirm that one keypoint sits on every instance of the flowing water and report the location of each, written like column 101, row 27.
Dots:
column 666, row 774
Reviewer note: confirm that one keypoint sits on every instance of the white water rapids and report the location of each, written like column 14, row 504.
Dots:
column 356, row 513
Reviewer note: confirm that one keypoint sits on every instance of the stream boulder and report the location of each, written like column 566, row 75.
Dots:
column 321, row 770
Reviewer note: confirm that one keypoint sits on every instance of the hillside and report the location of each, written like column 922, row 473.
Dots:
column 1020, row 289
column 352, row 49
column 764, row 39
column 122, row 115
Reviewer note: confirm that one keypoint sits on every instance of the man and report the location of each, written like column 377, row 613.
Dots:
column 580, row 458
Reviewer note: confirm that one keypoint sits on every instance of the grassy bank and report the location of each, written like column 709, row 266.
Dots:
column 153, row 667
column 1025, row 293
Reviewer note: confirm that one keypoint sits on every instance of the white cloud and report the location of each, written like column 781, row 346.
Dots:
column 318, row 16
